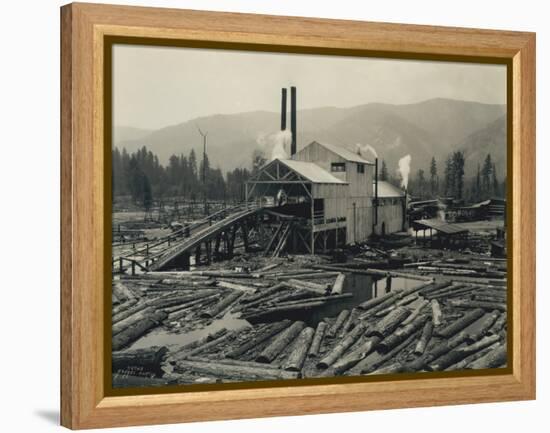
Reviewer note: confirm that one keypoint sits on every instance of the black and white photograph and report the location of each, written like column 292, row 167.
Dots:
column 283, row 216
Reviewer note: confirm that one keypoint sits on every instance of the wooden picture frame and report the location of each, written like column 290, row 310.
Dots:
column 85, row 402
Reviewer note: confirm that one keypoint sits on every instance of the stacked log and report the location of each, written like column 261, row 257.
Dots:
column 459, row 353
column 461, row 323
column 401, row 334
column 333, row 330
column 353, row 358
column 338, row 286
column 137, row 329
column 342, row 346
column 317, row 339
column 296, row 359
column 389, row 323
column 222, row 305
column 494, row 359
column 271, row 331
column 425, row 338
column 280, row 342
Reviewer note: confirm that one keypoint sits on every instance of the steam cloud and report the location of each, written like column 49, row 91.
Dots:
column 404, row 169
column 274, row 145
column 362, row 149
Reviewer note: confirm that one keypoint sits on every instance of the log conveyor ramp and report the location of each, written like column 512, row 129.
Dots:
column 189, row 244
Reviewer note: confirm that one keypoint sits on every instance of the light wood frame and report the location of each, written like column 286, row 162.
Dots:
column 84, row 403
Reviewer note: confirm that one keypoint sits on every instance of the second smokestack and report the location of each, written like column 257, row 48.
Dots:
column 283, row 109
column 293, row 119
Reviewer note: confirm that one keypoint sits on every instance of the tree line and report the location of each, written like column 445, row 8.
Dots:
column 141, row 176
column 427, row 183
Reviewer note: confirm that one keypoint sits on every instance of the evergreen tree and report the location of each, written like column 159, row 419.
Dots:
column 433, row 177
column 496, row 184
column 458, row 169
column 486, row 176
column 449, row 176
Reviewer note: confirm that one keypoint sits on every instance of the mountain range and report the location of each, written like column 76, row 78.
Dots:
column 434, row 127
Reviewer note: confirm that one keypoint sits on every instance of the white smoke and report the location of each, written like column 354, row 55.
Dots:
column 362, row 150
column 275, row 145
column 404, row 169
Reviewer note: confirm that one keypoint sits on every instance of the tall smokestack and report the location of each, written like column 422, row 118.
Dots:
column 376, row 191
column 293, row 119
column 283, row 109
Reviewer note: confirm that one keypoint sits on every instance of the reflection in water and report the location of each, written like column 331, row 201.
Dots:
column 169, row 338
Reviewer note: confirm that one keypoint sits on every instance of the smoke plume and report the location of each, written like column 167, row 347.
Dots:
column 362, row 150
column 275, row 145
column 404, row 168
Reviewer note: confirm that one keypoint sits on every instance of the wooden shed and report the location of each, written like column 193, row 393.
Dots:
column 330, row 187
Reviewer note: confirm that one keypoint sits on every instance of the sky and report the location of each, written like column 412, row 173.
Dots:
column 154, row 87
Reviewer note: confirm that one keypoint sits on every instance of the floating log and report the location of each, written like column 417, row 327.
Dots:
column 421, row 363
column 280, row 342
column 350, row 322
column 425, row 338
column 268, row 267
column 401, row 334
column 461, row 365
column 483, row 325
column 232, row 362
column 258, row 339
column 184, row 309
column 200, row 342
column 372, row 271
column 315, row 299
column 495, row 358
column 263, row 293
column 122, row 292
column 460, row 324
column 354, row 357
column 121, row 307
column 415, row 313
column 293, row 296
column 342, row 346
column 309, row 276
column 130, row 320
column 222, row 305
column 267, row 299
column 434, row 287
column 235, row 372
column 478, row 305
column 149, row 359
column 296, row 358
column 208, row 346
column 137, row 329
column 389, row 323
column 317, row 339
column 259, row 315
column 333, row 330
column 235, row 286
column 367, row 305
column 128, row 312
column 394, row 367
column 436, row 312
column 338, row 286
column 376, row 359
column 498, row 325
column 308, row 285
column 459, row 353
